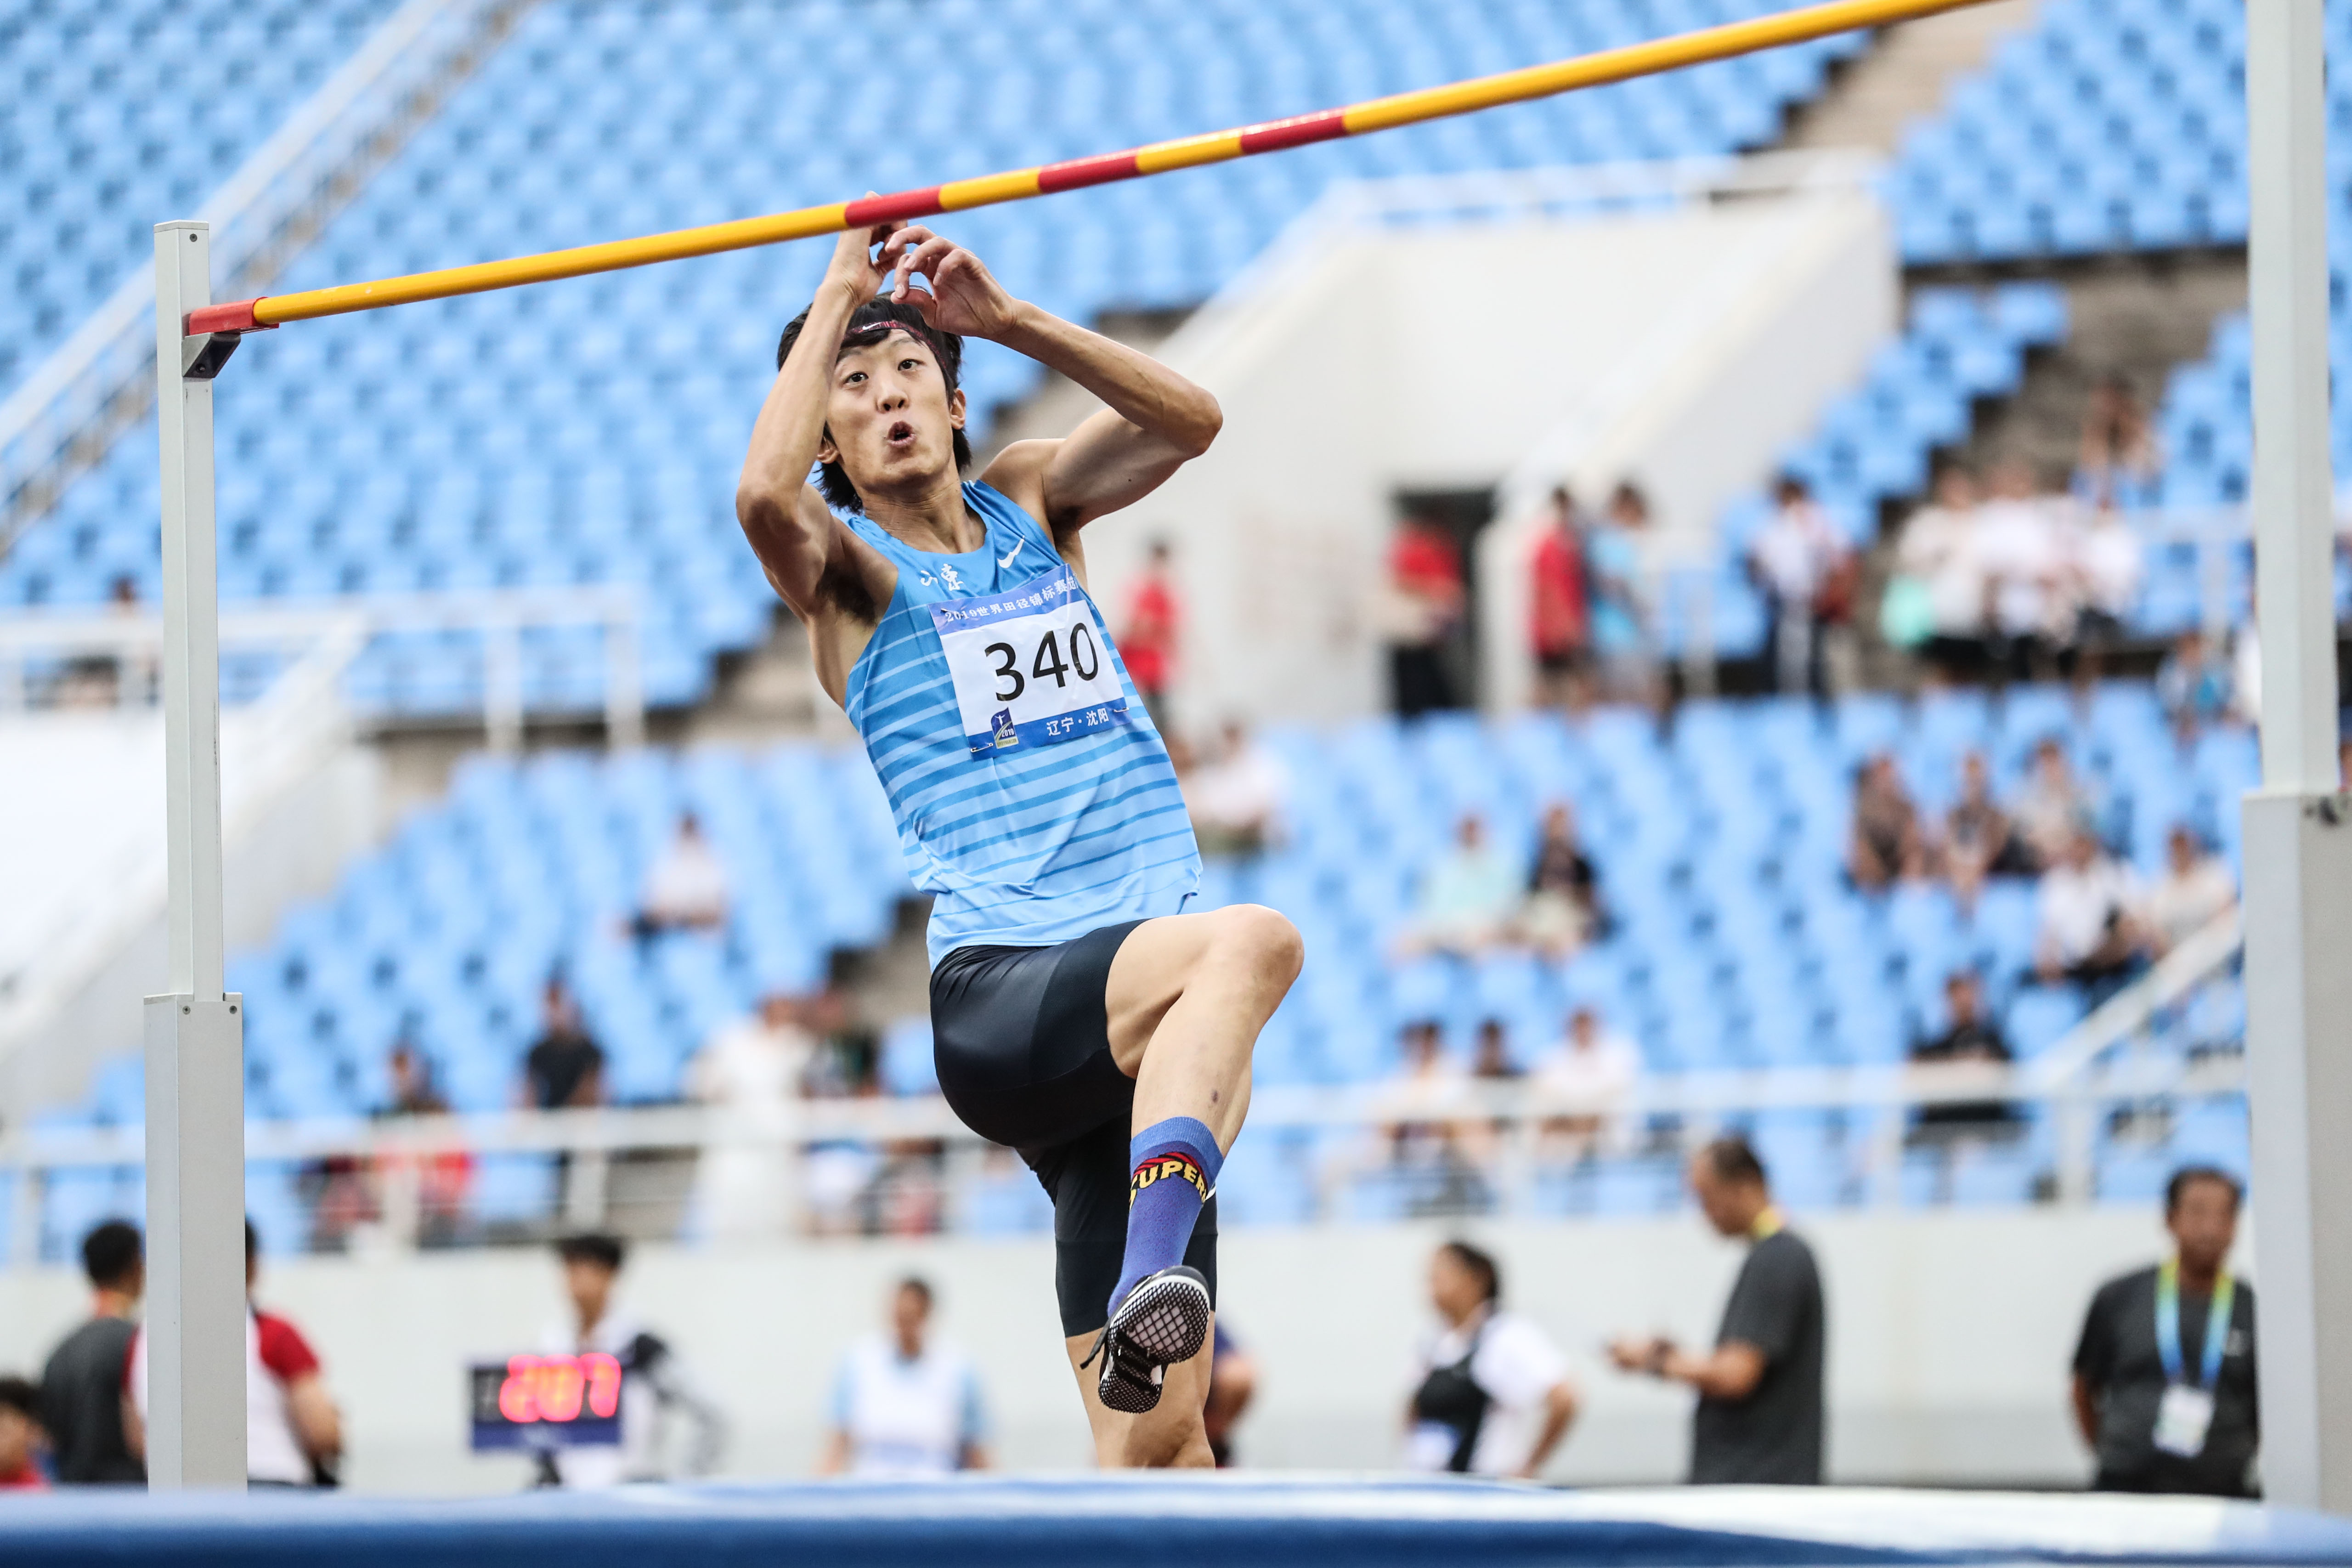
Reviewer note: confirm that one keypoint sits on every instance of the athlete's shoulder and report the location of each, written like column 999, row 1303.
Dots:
column 1017, row 475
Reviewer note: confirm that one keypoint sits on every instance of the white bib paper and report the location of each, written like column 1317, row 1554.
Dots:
column 2181, row 1420
column 1031, row 666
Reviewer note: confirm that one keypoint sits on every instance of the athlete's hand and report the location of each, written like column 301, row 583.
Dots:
column 963, row 296
column 855, row 270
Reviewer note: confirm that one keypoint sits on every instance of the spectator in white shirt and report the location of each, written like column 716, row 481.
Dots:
column 2025, row 565
column 1467, row 899
column 2089, row 932
column 903, row 1403
column 2195, row 890
column 687, row 887
column 749, row 1073
column 654, row 1385
column 1940, row 547
column 2108, row 566
column 1588, row 1075
column 2054, row 806
column 1494, row 1397
column 1237, row 797
column 1793, row 559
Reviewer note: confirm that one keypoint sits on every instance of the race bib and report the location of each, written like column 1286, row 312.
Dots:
column 2182, row 1418
column 1030, row 665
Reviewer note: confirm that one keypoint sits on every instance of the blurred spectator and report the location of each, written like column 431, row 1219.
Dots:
column 1591, row 1073
column 1237, row 797
column 2108, row 566
column 338, row 1195
column 2087, row 932
column 1468, row 898
column 2117, row 462
column 1147, row 643
column 1614, row 553
column 2164, row 1386
column 2019, row 544
column 1971, row 1036
column 687, row 887
column 1491, row 1060
column 22, row 1439
column 1940, row 550
column 1886, row 843
column 2192, row 684
column 2052, row 808
column 1232, row 1383
column 903, row 1404
column 2195, row 890
column 82, row 1394
column 104, row 679
column 1760, row 1417
column 443, row 1176
column 1563, row 911
column 1979, row 840
column 1424, row 603
column 1799, row 563
column 293, row 1433
column 1494, row 1397
column 1424, row 1100
column 653, row 1385
column 565, row 1068
column 1561, row 624
column 749, row 1073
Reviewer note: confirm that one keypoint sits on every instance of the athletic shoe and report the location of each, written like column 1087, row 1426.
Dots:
column 1163, row 1320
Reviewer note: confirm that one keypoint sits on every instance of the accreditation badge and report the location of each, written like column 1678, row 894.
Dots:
column 2182, row 1418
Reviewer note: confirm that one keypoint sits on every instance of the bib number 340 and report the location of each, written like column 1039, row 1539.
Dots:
column 1030, row 665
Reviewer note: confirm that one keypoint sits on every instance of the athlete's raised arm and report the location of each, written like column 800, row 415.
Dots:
column 791, row 531
column 1156, row 421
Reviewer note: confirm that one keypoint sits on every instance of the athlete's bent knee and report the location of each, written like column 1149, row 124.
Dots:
column 1264, row 941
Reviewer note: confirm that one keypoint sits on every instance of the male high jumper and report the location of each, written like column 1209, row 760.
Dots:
column 1079, row 1016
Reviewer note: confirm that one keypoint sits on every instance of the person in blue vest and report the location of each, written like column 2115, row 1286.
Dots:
column 2163, row 1375
column 1081, row 1012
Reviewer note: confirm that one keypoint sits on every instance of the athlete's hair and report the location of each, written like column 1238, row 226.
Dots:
column 1481, row 1265
column 593, row 1247
column 920, row 1286
column 869, row 324
column 112, row 1252
column 2189, row 1176
column 1732, row 1159
column 22, row 1395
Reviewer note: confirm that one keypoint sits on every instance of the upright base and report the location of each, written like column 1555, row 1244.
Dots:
column 195, row 1266
column 2299, row 1044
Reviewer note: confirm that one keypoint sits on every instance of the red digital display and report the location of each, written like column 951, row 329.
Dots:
column 560, row 1388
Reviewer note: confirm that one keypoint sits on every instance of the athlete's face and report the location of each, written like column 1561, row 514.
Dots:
column 890, row 421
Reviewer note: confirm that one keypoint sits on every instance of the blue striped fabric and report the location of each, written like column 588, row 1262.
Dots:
column 1025, row 847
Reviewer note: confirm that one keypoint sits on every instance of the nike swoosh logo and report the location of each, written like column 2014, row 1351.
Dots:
column 1007, row 560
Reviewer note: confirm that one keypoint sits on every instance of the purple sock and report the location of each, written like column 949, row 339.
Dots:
column 1173, row 1167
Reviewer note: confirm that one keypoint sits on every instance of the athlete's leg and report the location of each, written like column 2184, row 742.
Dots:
column 1186, row 997
column 1168, row 1435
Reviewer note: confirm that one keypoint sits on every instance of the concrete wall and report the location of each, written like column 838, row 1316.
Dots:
column 1951, row 1335
column 1682, row 347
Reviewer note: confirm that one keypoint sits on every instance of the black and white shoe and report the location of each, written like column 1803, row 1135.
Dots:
column 1163, row 1320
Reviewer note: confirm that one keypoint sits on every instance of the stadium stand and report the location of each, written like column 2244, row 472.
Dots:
column 1740, row 943
column 98, row 136
column 588, row 432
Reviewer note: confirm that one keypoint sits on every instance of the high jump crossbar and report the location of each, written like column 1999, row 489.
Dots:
column 1531, row 82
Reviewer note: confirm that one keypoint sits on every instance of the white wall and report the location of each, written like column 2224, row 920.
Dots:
column 1951, row 1335
column 1682, row 347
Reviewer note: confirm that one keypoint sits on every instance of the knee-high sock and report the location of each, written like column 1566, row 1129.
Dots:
column 1172, row 1168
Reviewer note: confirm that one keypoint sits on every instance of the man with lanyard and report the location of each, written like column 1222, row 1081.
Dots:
column 2164, row 1376
column 1495, row 1398
column 1078, row 1014
column 1760, row 1417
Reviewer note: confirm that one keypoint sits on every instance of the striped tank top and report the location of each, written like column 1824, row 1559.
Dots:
column 1026, row 840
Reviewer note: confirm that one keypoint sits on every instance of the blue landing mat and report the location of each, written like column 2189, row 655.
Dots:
column 1200, row 1521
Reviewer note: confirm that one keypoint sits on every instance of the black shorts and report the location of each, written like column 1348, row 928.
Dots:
column 1022, row 1037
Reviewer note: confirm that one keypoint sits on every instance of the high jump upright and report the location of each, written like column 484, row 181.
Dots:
column 2298, row 826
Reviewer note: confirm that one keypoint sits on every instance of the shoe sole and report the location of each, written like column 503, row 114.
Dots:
column 1166, row 1320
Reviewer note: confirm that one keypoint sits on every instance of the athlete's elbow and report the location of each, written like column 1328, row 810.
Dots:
column 1197, row 432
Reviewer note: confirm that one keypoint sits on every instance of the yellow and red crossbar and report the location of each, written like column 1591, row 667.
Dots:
column 1214, row 147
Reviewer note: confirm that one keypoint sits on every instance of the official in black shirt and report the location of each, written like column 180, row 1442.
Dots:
column 2163, row 1392
column 565, row 1068
column 81, row 1386
column 1760, row 1417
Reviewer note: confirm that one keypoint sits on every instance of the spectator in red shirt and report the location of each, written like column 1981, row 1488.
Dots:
column 1425, row 602
column 21, row 1438
column 1561, row 625
column 293, row 1433
column 1147, row 643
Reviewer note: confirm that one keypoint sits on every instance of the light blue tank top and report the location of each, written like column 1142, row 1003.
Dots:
column 1032, row 845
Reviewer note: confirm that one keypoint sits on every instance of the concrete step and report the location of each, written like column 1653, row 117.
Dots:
column 1908, row 71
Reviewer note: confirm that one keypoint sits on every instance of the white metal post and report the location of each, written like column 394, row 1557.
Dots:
column 194, row 1032
column 2298, row 837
